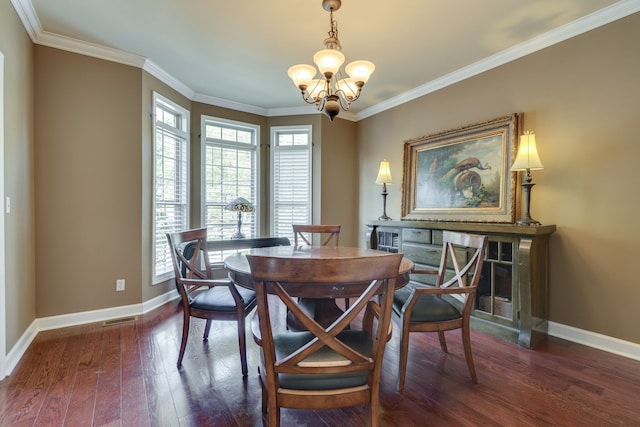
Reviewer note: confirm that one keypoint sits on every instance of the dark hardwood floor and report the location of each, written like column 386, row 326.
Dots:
column 126, row 375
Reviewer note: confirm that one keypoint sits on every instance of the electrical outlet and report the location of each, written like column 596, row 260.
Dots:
column 119, row 285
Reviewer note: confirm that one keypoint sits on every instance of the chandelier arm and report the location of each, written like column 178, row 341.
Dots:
column 320, row 102
column 345, row 103
column 307, row 98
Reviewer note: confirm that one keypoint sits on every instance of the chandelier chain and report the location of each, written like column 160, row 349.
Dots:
column 332, row 42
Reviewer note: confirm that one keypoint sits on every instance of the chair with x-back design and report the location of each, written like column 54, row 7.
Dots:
column 427, row 309
column 323, row 367
column 202, row 295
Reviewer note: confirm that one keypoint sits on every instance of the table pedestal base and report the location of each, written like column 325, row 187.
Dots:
column 324, row 310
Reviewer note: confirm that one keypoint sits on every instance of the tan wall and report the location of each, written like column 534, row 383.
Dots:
column 19, row 243
column 340, row 178
column 582, row 98
column 88, row 184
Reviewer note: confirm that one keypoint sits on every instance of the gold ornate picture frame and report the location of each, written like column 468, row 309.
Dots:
column 462, row 174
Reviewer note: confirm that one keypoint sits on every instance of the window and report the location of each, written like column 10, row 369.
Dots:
column 290, row 178
column 171, row 180
column 230, row 170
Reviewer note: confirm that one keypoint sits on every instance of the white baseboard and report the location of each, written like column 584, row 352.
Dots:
column 17, row 351
column 595, row 340
column 73, row 319
column 591, row 339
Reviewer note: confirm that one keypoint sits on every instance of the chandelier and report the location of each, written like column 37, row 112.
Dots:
column 333, row 91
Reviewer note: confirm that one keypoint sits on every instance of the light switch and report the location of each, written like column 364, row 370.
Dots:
column 7, row 205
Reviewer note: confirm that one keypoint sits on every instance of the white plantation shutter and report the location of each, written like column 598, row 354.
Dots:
column 171, row 178
column 290, row 178
column 230, row 170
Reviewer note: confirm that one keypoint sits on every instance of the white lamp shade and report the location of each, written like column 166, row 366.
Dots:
column 384, row 174
column 360, row 71
column 317, row 88
column 328, row 61
column 527, row 157
column 302, row 74
column 348, row 87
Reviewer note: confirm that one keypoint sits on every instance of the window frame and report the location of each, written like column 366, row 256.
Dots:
column 183, row 133
column 275, row 131
column 204, row 120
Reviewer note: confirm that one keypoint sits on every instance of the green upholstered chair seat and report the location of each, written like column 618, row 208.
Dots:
column 287, row 342
column 428, row 308
column 220, row 299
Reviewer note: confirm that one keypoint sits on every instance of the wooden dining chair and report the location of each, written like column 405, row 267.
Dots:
column 448, row 304
column 328, row 234
column 323, row 367
column 201, row 295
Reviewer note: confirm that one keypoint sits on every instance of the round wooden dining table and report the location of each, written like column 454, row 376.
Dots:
column 319, row 299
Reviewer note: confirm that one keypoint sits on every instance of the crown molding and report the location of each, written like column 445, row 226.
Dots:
column 89, row 49
column 225, row 103
column 27, row 14
column 308, row 109
column 293, row 111
column 621, row 9
column 582, row 25
column 152, row 68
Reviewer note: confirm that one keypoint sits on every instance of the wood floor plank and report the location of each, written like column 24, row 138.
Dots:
column 108, row 389
column 55, row 406
column 83, row 395
column 32, row 392
column 126, row 375
column 161, row 408
column 135, row 408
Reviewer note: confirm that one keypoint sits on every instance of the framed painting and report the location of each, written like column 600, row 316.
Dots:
column 462, row 174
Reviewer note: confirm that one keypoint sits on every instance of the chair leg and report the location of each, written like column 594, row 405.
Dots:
column 273, row 414
column 466, row 342
column 265, row 397
column 374, row 406
column 242, row 344
column 207, row 329
column 404, row 350
column 185, row 335
column 373, row 413
column 443, row 341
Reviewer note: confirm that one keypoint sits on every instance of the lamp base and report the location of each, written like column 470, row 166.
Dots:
column 527, row 220
column 238, row 234
column 384, row 216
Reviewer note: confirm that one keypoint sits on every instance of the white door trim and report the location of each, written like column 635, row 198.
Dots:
column 3, row 316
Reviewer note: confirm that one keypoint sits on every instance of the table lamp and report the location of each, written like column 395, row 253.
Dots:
column 239, row 205
column 527, row 160
column 384, row 178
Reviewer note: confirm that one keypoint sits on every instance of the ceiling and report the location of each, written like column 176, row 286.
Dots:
column 236, row 52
